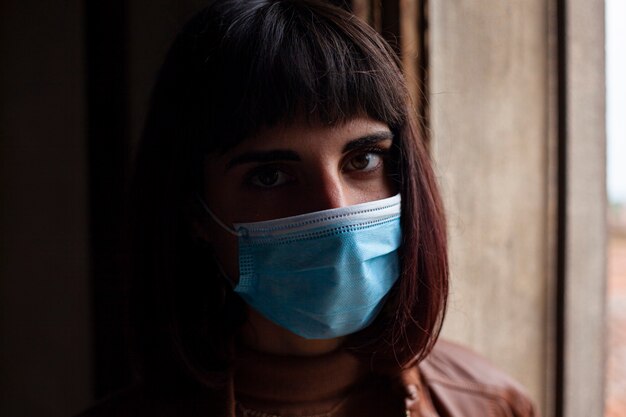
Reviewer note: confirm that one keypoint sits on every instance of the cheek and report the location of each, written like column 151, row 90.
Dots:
column 377, row 189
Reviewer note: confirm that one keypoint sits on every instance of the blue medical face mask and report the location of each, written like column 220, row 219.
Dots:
column 324, row 274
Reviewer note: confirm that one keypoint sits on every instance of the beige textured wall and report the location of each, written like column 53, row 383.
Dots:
column 491, row 129
column 585, row 267
column 499, row 133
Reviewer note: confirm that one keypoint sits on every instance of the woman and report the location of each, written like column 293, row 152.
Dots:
column 289, row 252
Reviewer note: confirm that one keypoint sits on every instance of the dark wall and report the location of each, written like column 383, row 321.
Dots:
column 74, row 87
column 45, row 352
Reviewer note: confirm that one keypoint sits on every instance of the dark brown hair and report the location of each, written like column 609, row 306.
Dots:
column 237, row 66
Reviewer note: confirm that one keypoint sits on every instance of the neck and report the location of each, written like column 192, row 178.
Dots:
column 265, row 336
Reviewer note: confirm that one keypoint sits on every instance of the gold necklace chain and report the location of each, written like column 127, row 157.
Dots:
column 249, row 412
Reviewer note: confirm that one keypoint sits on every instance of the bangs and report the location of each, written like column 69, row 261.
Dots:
column 277, row 61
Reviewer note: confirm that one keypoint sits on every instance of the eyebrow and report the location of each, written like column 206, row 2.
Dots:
column 263, row 156
column 368, row 140
column 288, row 155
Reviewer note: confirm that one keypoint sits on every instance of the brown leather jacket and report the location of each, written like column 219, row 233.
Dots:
column 451, row 382
column 455, row 382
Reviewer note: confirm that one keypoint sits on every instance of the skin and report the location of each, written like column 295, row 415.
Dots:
column 286, row 170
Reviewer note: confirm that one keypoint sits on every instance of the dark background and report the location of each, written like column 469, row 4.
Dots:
column 74, row 86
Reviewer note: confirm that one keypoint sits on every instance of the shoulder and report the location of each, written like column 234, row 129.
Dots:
column 462, row 383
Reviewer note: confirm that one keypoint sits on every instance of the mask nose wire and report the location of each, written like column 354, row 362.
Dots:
column 216, row 219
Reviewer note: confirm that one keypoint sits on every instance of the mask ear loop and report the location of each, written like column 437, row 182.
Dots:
column 216, row 219
column 229, row 230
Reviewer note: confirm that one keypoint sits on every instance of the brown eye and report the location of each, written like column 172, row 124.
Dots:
column 269, row 177
column 366, row 161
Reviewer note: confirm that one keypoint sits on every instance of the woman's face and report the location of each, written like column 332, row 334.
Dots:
column 292, row 169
